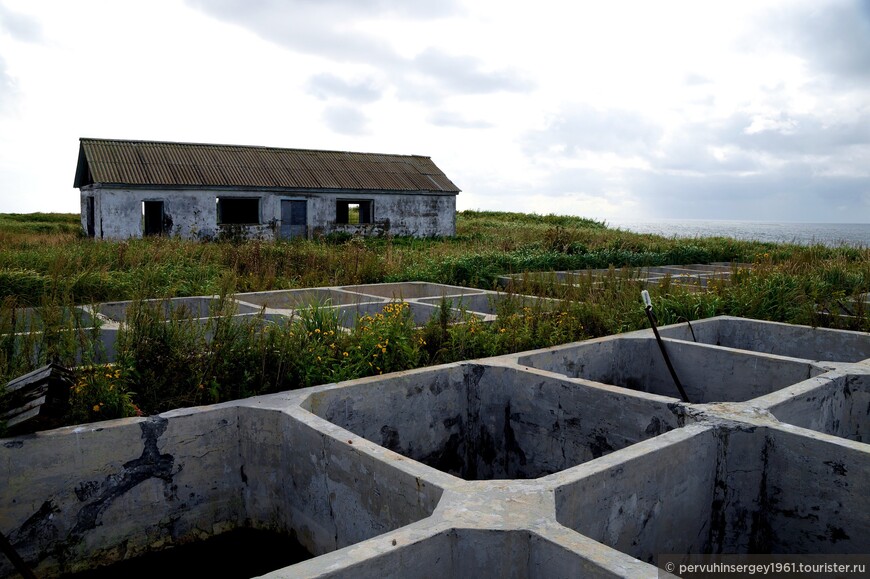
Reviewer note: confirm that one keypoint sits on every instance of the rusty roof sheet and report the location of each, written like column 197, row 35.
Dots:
column 191, row 164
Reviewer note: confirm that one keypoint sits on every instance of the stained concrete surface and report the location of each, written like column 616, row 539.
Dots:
column 491, row 468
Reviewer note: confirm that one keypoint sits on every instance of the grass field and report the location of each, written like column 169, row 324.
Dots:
column 46, row 263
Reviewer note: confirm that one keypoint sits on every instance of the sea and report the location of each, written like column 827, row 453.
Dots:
column 829, row 234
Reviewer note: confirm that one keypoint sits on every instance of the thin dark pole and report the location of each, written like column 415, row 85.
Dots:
column 655, row 329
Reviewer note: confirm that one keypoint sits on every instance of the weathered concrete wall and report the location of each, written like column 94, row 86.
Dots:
column 314, row 483
column 118, row 212
column 418, row 215
column 776, row 338
column 117, row 489
column 731, row 489
column 840, row 407
column 648, row 502
column 707, row 373
column 487, row 422
column 193, row 213
column 816, row 495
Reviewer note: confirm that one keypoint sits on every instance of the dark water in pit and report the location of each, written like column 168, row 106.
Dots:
column 237, row 554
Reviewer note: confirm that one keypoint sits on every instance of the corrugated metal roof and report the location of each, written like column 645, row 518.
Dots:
column 191, row 164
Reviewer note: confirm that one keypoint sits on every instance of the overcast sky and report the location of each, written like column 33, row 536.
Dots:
column 616, row 110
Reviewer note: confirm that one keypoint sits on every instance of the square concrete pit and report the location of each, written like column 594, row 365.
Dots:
column 34, row 319
column 776, row 338
column 193, row 307
column 85, row 496
column 733, row 489
column 490, row 303
column 411, row 290
column 481, row 422
column 707, row 373
column 349, row 316
column 303, row 298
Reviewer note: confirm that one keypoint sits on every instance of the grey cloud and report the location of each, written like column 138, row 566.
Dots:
column 786, row 194
column 313, row 27
column 832, row 36
column 325, row 28
column 587, row 129
column 836, row 39
column 321, row 27
column 808, row 135
column 775, row 174
column 465, row 74
column 327, row 85
column 788, row 136
column 423, row 9
column 346, row 120
column 456, row 120
column 20, row 26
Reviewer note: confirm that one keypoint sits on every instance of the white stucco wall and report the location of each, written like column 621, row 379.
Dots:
column 192, row 213
column 118, row 212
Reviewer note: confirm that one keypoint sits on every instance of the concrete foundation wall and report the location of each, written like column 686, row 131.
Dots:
column 638, row 364
column 468, row 553
column 117, row 489
column 727, row 490
column 514, row 466
column 485, row 422
column 316, row 485
column 649, row 504
column 840, row 407
column 776, row 338
column 193, row 213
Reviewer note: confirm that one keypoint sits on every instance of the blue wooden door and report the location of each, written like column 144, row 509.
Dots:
column 294, row 219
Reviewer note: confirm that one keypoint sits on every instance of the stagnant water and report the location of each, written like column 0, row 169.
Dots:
column 237, row 554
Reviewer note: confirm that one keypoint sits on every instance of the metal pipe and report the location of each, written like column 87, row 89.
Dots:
column 652, row 320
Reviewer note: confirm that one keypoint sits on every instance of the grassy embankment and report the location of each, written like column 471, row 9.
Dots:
column 45, row 263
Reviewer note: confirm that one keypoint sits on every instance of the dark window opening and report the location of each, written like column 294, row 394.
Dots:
column 152, row 214
column 89, row 217
column 238, row 211
column 353, row 212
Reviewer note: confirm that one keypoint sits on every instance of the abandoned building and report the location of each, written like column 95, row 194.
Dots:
column 199, row 191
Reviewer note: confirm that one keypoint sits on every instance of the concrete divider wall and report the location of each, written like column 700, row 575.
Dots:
column 708, row 373
column 420, row 414
column 839, row 406
column 315, row 484
column 483, row 422
column 647, row 502
column 776, row 338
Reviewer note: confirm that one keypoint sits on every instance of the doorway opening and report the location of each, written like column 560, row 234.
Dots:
column 152, row 213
